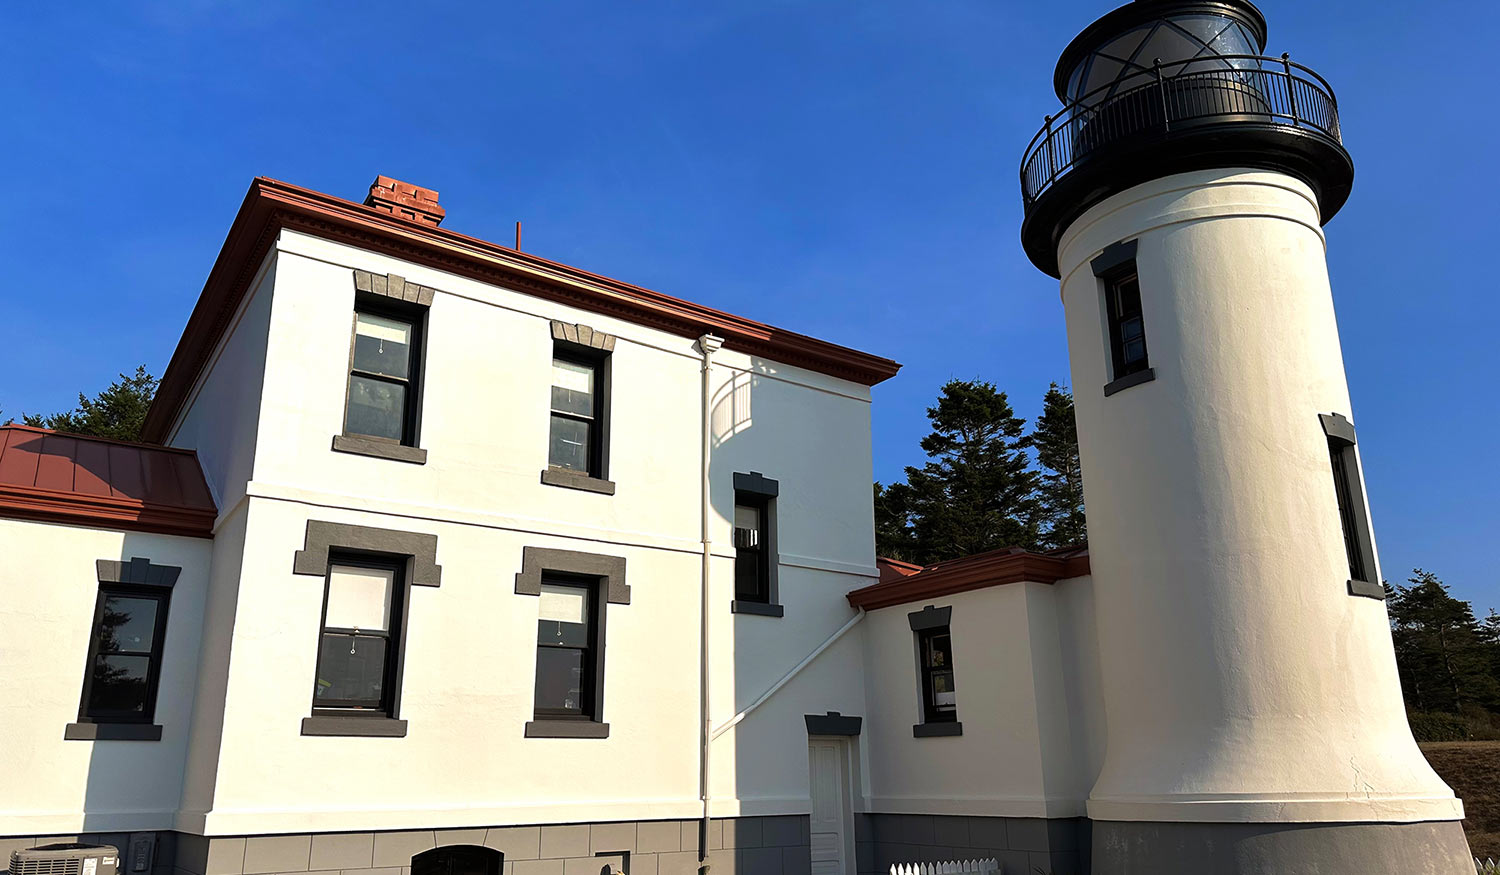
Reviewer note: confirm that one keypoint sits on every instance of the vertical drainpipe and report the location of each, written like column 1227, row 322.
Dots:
column 708, row 344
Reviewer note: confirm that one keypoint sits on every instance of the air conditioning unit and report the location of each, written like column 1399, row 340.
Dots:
column 69, row 858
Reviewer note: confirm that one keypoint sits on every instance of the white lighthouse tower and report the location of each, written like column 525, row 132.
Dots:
column 1254, row 716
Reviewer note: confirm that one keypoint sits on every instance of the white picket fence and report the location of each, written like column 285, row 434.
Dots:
column 986, row 866
column 1487, row 867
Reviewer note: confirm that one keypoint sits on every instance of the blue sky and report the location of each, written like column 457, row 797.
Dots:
column 841, row 169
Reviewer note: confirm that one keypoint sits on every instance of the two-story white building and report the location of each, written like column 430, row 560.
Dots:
column 447, row 557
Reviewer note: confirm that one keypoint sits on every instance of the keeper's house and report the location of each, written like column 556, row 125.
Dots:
column 443, row 557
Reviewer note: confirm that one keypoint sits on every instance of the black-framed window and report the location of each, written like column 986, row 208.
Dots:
column 939, row 693
column 1127, row 325
column 1354, row 523
column 360, row 642
column 579, row 402
column 384, row 371
column 569, row 649
column 458, row 860
column 125, row 654
column 752, row 540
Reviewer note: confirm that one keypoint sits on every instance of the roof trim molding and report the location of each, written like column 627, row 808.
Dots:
column 270, row 206
column 965, row 575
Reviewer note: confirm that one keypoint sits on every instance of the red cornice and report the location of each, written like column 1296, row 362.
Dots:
column 271, row 205
column 971, row 573
column 95, row 511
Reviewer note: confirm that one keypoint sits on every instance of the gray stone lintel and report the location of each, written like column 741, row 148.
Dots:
column 324, row 536
column 832, row 723
column 756, row 484
column 391, row 285
column 1338, row 427
column 137, row 571
column 352, row 726
column 570, row 479
column 566, row 729
column 930, row 617
column 582, row 335
column 1129, row 380
column 1114, row 256
column 112, row 732
column 535, row 560
column 379, row 449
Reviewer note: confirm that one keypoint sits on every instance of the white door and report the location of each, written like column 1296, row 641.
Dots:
column 830, row 833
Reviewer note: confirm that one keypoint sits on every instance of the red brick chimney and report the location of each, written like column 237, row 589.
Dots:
column 404, row 200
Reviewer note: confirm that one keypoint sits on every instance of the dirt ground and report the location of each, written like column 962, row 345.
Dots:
column 1472, row 769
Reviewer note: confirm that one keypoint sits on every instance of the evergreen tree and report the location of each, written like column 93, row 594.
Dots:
column 1055, row 439
column 894, row 538
column 117, row 412
column 978, row 491
column 1443, row 654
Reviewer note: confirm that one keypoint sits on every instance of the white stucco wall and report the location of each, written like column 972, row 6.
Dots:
column 49, row 786
column 1019, row 753
column 468, row 675
column 1241, row 680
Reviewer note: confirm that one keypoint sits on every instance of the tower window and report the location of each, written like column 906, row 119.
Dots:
column 383, row 374
column 568, row 653
column 938, row 690
column 1125, row 322
column 1359, row 546
column 357, row 654
column 755, row 558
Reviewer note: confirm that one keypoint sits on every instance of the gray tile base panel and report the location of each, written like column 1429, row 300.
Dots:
column 1141, row 848
column 775, row 845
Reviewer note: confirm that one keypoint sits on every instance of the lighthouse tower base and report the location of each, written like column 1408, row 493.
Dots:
column 1143, row 848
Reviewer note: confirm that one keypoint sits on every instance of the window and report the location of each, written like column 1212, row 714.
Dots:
column 756, row 562
column 939, row 702
column 1359, row 545
column 125, row 654
column 360, row 638
column 383, row 366
column 577, row 442
column 1127, row 329
column 938, row 691
column 569, row 659
column 1125, row 322
column 457, row 860
column 751, row 570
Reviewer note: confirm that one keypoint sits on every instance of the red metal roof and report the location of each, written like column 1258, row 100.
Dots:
column 900, row 585
column 67, row 478
column 271, row 205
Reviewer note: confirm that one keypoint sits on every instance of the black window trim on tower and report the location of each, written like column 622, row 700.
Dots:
column 137, row 578
column 1354, row 522
column 388, row 297
column 326, row 544
column 1115, row 267
column 605, row 575
column 927, row 624
column 755, row 490
column 582, row 346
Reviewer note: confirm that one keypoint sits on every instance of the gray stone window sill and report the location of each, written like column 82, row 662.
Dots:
column 577, row 480
column 112, row 732
column 759, row 609
column 1367, row 589
column 1129, row 380
column 354, row 726
column 937, row 730
column 378, row 449
column 566, row 729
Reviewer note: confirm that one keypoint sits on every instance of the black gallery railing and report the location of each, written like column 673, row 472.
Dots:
column 1178, row 96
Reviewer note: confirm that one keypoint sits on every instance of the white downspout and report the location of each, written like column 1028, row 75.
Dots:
column 708, row 344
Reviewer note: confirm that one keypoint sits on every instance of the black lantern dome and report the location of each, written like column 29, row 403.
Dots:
column 1164, row 86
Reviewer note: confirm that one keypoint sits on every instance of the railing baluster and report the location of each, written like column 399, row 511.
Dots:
column 1291, row 91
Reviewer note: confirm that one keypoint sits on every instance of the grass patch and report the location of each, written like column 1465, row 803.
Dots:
column 1472, row 769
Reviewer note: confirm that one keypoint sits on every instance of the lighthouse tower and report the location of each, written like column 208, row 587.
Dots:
column 1254, row 719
